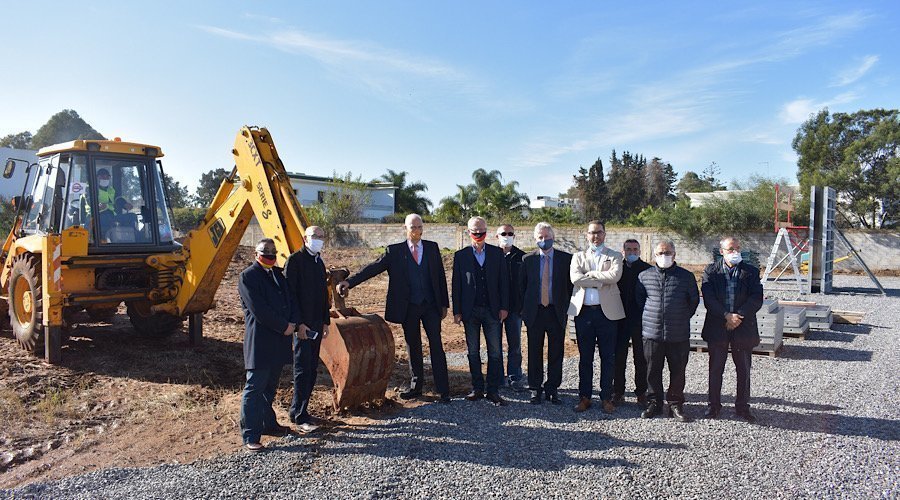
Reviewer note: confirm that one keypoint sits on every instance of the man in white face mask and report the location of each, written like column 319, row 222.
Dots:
column 305, row 272
column 732, row 294
column 667, row 294
column 512, row 325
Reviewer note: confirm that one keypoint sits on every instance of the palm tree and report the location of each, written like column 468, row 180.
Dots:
column 506, row 200
column 461, row 206
column 407, row 199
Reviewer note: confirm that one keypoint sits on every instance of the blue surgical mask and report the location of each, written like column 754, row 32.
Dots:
column 597, row 248
column 632, row 258
column 545, row 244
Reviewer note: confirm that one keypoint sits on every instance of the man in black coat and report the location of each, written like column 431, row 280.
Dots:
column 270, row 317
column 546, row 292
column 305, row 272
column 480, row 291
column 668, row 296
column 416, row 294
column 732, row 294
column 512, row 325
column 630, row 327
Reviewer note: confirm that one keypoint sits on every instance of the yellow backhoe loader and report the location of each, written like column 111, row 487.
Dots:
column 92, row 230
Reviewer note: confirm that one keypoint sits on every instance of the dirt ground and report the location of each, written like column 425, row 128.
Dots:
column 121, row 400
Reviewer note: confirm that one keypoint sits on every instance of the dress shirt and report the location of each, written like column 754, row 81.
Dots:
column 592, row 295
column 418, row 249
column 479, row 256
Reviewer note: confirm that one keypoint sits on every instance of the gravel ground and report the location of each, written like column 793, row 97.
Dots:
column 828, row 412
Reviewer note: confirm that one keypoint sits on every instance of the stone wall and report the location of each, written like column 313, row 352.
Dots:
column 879, row 249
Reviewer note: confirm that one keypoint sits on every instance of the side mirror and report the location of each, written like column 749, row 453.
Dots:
column 9, row 169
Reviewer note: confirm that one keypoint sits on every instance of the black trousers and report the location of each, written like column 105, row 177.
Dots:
column 718, row 355
column 630, row 334
column 306, row 362
column 429, row 315
column 676, row 355
column 546, row 323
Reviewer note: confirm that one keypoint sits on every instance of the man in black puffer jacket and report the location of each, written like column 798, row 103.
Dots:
column 668, row 296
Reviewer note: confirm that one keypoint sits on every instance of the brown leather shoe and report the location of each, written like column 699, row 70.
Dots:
column 608, row 406
column 583, row 405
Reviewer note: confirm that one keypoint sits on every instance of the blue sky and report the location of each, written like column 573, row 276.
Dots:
column 532, row 89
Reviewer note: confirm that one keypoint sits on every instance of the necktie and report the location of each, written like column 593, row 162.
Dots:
column 545, row 282
column 415, row 253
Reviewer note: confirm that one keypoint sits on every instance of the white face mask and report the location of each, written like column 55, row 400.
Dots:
column 315, row 246
column 733, row 258
column 665, row 261
column 103, row 184
column 507, row 241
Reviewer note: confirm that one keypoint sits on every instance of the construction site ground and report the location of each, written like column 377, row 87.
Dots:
column 121, row 400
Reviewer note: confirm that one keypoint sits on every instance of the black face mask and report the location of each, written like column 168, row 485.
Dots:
column 268, row 256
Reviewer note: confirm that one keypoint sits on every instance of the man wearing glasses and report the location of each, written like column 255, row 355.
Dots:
column 597, row 308
column 416, row 294
column 480, row 291
column 506, row 238
column 667, row 293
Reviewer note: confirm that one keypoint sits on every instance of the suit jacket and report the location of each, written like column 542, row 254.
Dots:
column 561, row 289
column 268, row 308
column 748, row 299
column 605, row 280
column 463, row 281
column 394, row 261
column 306, row 277
column 514, row 264
column 627, row 284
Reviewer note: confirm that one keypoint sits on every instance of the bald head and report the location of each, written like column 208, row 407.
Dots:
column 414, row 227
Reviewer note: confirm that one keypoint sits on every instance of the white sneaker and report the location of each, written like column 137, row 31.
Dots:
column 307, row 427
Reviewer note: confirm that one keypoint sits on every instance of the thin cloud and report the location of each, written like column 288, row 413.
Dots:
column 851, row 75
column 800, row 110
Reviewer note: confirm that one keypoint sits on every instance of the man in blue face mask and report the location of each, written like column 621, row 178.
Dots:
column 630, row 327
column 546, row 288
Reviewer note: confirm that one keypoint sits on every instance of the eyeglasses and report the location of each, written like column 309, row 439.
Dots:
column 667, row 252
column 506, row 234
column 596, row 232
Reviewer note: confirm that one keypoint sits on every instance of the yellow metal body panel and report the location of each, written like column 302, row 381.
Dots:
column 128, row 148
column 51, row 276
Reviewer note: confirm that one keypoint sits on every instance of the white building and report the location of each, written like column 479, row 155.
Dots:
column 311, row 189
column 554, row 202
column 700, row 199
column 13, row 186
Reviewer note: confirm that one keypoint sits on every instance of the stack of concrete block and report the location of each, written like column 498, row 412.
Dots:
column 819, row 317
column 795, row 321
column 697, row 327
column 770, row 321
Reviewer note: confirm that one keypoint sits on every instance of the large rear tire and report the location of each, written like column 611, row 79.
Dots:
column 26, row 302
column 152, row 324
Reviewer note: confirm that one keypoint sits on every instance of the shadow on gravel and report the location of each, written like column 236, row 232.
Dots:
column 728, row 400
column 859, row 290
column 825, row 353
column 538, row 444
column 829, row 423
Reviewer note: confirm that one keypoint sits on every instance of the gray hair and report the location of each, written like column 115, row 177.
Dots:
column 542, row 225
column 668, row 243
column 410, row 218
column 475, row 220
column 263, row 243
column 726, row 239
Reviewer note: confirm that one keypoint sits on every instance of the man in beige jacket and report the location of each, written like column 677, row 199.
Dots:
column 597, row 308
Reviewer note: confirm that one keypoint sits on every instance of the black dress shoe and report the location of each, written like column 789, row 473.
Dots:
column 651, row 411
column 278, row 431
column 445, row 398
column 474, row 395
column 535, row 397
column 495, row 398
column 554, row 398
column 618, row 399
column 712, row 412
column 411, row 394
column 746, row 415
column 676, row 412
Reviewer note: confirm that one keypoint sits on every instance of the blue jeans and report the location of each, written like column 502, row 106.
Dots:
column 482, row 319
column 257, row 415
column 513, row 327
column 594, row 330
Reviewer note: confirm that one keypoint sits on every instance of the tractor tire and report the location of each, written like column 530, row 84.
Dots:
column 152, row 324
column 26, row 302
column 102, row 314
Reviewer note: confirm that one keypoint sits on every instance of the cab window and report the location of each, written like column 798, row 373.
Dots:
column 124, row 215
column 78, row 197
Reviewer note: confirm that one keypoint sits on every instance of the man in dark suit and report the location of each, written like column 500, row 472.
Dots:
column 732, row 294
column 270, row 316
column 305, row 273
column 512, row 325
column 416, row 293
column 546, row 292
column 480, row 290
column 630, row 327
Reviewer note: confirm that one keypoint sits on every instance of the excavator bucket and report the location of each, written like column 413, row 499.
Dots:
column 358, row 352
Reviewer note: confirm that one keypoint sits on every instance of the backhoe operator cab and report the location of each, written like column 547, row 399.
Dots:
column 113, row 189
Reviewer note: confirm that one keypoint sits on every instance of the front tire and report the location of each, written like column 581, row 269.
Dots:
column 26, row 302
column 152, row 324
